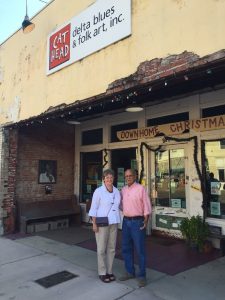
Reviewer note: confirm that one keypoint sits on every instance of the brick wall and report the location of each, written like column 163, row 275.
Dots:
column 157, row 68
column 53, row 141
column 7, row 179
column 1, row 181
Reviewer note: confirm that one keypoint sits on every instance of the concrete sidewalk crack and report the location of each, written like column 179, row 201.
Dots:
column 22, row 259
column 128, row 293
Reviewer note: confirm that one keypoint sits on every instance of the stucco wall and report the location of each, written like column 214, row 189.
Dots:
column 159, row 28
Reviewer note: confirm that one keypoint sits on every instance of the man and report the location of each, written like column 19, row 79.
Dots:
column 136, row 209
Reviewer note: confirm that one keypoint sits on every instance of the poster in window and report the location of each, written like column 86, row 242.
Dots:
column 176, row 203
column 120, row 174
column 89, row 188
column 215, row 208
column 133, row 164
column 215, row 188
column 120, row 185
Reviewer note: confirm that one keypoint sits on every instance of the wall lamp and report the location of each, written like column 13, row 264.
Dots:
column 27, row 25
column 48, row 189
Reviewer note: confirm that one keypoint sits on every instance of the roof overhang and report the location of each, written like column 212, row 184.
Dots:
column 174, row 77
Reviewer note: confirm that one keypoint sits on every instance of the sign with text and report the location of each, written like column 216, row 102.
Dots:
column 103, row 23
column 210, row 123
column 59, row 44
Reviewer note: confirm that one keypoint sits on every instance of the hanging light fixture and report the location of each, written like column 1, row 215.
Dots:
column 134, row 107
column 73, row 122
column 27, row 25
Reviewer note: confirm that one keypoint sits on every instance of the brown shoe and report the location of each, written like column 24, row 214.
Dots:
column 126, row 276
column 142, row 282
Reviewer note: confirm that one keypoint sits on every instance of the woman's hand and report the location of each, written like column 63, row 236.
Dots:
column 95, row 227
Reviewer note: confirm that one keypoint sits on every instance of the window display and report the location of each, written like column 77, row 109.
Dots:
column 214, row 166
column 170, row 178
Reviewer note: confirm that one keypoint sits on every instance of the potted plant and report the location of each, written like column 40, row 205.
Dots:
column 195, row 230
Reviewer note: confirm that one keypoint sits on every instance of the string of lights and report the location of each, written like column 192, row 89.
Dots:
column 106, row 102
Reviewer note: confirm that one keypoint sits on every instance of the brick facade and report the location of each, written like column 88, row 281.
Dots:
column 8, row 177
column 1, row 181
column 20, row 152
column 149, row 71
column 53, row 141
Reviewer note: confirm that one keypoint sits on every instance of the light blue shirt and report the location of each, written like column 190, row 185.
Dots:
column 104, row 202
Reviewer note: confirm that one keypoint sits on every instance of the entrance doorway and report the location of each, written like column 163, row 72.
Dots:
column 91, row 166
column 168, row 186
column 122, row 159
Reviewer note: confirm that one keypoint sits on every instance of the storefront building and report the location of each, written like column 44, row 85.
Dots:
column 67, row 90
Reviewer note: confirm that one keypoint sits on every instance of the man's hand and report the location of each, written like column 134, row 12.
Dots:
column 145, row 223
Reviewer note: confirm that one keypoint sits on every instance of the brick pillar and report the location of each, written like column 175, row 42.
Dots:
column 8, row 179
column 1, row 181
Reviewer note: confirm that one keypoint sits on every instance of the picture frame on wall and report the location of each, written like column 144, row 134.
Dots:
column 47, row 171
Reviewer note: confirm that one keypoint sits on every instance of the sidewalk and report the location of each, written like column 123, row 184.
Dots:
column 25, row 260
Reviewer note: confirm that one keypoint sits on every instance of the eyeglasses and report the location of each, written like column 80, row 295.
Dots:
column 129, row 176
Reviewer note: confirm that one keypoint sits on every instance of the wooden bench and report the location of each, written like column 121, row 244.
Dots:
column 43, row 211
column 216, row 233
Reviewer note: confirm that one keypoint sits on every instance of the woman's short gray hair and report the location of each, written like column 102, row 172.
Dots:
column 107, row 172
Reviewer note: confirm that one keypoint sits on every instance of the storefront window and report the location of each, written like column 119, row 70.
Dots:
column 170, row 178
column 168, row 119
column 215, row 178
column 213, row 111
column 92, row 137
column 91, row 166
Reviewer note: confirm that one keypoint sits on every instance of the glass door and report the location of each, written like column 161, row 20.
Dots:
column 170, row 178
column 91, row 173
column 168, row 186
column 123, row 159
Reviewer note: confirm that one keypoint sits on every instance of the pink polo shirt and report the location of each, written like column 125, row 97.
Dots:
column 135, row 201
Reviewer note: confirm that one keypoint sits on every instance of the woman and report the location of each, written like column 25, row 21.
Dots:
column 105, row 202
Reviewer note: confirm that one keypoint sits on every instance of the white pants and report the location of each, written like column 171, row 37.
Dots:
column 106, row 248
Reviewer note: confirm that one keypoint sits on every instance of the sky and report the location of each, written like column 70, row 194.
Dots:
column 12, row 13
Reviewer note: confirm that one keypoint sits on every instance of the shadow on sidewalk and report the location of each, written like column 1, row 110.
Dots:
column 166, row 255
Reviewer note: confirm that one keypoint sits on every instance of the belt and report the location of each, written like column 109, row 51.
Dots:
column 134, row 218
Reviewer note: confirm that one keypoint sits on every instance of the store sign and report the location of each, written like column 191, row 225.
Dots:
column 211, row 123
column 103, row 23
column 59, row 47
